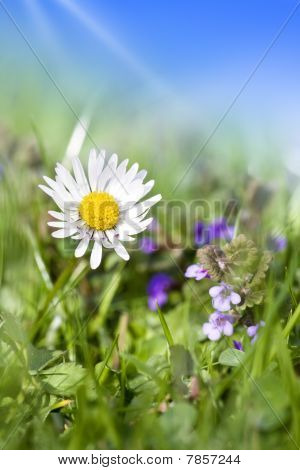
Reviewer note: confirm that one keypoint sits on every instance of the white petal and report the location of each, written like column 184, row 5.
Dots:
column 82, row 247
column 57, row 215
column 59, row 188
column 96, row 255
column 142, row 206
column 141, row 175
column 46, row 190
column 60, row 224
column 110, row 234
column 148, row 186
column 67, row 179
column 133, row 227
column 121, row 251
column 68, row 216
column 54, row 196
column 131, row 173
column 92, row 169
column 108, row 172
column 80, row 176
column 126, row 238
column 63, row 233
column 121, row 170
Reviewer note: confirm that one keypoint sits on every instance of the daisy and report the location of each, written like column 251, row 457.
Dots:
column 104, row 208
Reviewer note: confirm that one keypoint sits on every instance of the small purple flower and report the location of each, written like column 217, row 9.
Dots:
column 157, row 290
column 223, row 296
column 197, row 271
column 219, row 229
column 277, row 243
column 219, row 324
column 253, row 330
column 238, row 345
column 147, row 245
column 201, row 235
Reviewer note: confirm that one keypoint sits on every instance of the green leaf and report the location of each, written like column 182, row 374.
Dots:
column 101, row 366
column 231, row 357
column 181, row 361
column 63, row 379
column 38, row 359
column 241, row 252
column 261, row 269
column 12, row 328
column 292, row 322
column 165, row 327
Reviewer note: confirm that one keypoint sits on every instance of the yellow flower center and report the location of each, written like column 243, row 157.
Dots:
column 99, row 210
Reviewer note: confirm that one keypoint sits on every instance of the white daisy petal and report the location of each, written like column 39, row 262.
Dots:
column 143, row 206
column 67, row 179
column 92, row 169
column 59, row 224
column 63, row 233
column 125, row 238
column 108, row 172
column 59, row 188
column 121, row 170
column 53, row 195
column 80, row 176
column 131, row 173
column 82, row 247
column 133, row 227
column 96, row 255
column 68, row 216
column 121, row 250
column 148, row 186
column 141, row 175
column 46, row 190
column 57, row 215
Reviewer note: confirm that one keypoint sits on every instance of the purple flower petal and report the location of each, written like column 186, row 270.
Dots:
column 221, row 303
column 196, row 271
column 235, row 298
column 147, row 245
column 252, row 330
column 215, row 291
column 192, row 270
column 200, row 233
column 238, row 345
column 214, row 334
column 206, row 327
column 227, row 329
column 157, row 289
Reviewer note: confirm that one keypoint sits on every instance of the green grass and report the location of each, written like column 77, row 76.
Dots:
column 84, row 364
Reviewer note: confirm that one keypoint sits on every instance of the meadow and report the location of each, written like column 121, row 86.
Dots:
column 117, row 357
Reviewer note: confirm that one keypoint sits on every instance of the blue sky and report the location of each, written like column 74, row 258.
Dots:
column 193, row 53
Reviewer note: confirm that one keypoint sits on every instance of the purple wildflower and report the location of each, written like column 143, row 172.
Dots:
column 147, row 245
column 197, row 271
column 253, row 330
column 223, row 296
column 238, row 345
column 219, row 324
column 157, row 290
column 201, row 236
column 277, row 243
column 218, row 229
